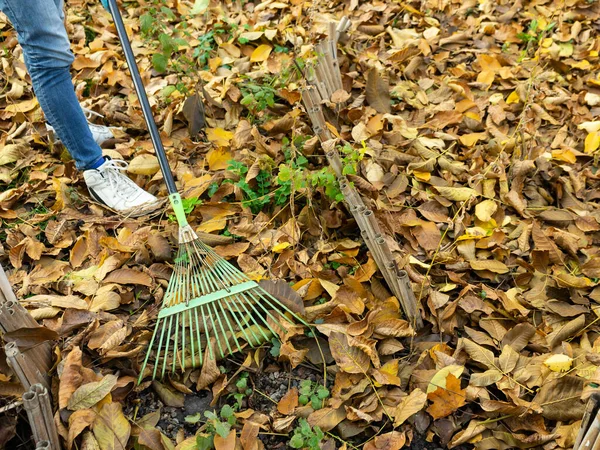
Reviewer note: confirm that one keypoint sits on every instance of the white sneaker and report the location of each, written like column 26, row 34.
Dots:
column 107, row 185
column 101, row 133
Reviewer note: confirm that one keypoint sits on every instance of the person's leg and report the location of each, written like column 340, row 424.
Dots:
column 42, row 35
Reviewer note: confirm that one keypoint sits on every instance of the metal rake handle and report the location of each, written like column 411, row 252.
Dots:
column 141, row 93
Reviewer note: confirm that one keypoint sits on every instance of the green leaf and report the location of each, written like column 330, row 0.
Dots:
column 167, row 44
column 297, row 441
column 204, row 442
column 303, row 400
column 210, row 415
column 193, row 418
column 146, row 22
column 222, row 429
column 323, row 393
column 226, row 412
column 160, row 62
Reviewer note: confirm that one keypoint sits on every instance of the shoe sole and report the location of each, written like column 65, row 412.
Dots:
column 136, row 211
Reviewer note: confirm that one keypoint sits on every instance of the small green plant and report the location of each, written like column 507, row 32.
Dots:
column 314, row 393
column 243, row 390
column 257, row 97
column 533, row 33
column 215, row 424
column 275, row 347
column 255, row 199
column 306, row 436
column 154, row 25
column 188, row 206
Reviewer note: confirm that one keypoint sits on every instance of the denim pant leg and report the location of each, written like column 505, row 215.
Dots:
column 46, row 49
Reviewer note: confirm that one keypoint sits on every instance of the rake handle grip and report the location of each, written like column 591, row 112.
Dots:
column 141, row 93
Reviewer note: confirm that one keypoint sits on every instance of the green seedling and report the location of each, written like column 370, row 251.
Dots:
column 313, row 393
column 306, row 436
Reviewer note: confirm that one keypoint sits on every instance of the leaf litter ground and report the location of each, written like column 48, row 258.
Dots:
column 469, row 127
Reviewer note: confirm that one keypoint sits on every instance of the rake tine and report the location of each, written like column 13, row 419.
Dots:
column 221, row 326
column 234, row 315
column 164, row 366
column 212, row 355
column 148, row 352
column 233, row 333
column 198, row 335
column 267, row 312
column 243, row 303
column 216, row 334
column 191, row 328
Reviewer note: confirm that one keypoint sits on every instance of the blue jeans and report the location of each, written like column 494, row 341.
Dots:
column 47, row 53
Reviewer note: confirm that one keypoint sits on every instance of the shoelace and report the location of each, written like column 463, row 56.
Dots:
column 119, row 183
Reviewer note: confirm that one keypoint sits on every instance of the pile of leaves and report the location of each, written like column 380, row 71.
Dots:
column 469, row 126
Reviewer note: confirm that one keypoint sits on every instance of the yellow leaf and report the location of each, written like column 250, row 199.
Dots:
column 486, row 77
column 471, row 139
column 485, row 210
column 559, row 363
column 592, row 142
column 281, row 247
column 218, row 158
column 261, row 53
column 422, row 176
column 582, row 65
column 410, row 405
column 489, row 264
column 22, row 107
column 513, row 98
column 456, row 194
column 219, row 136
column 565, row 155
column 144, row 165
column 473, row 115
column 111, row 428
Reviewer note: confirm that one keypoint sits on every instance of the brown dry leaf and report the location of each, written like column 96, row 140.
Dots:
column 378, row 91
column 410, row 405
column 446, row 400
column 349, row 359
column 129, row 276
column 489, row 264
column 288, row 402
column 79, row 421
column 151, row 438
column 71, row 377
column 226, row 443
column 168, row 396
column 327, row 418
column 26, row 338
column 394, row 440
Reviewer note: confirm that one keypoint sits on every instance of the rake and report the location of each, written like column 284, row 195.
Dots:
column 209, row 304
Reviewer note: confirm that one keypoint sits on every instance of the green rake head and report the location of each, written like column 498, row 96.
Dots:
column 211, row 310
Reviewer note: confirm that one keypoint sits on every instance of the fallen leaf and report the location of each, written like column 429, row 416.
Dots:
column 409, row 406
column 288, row 402
column 446, row 400
column 261, row 53
column 79, row 421
column 89, row 394
column 111, row 428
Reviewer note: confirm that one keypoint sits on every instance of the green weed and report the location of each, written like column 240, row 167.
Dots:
column 314, row 393
column 306, row 436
